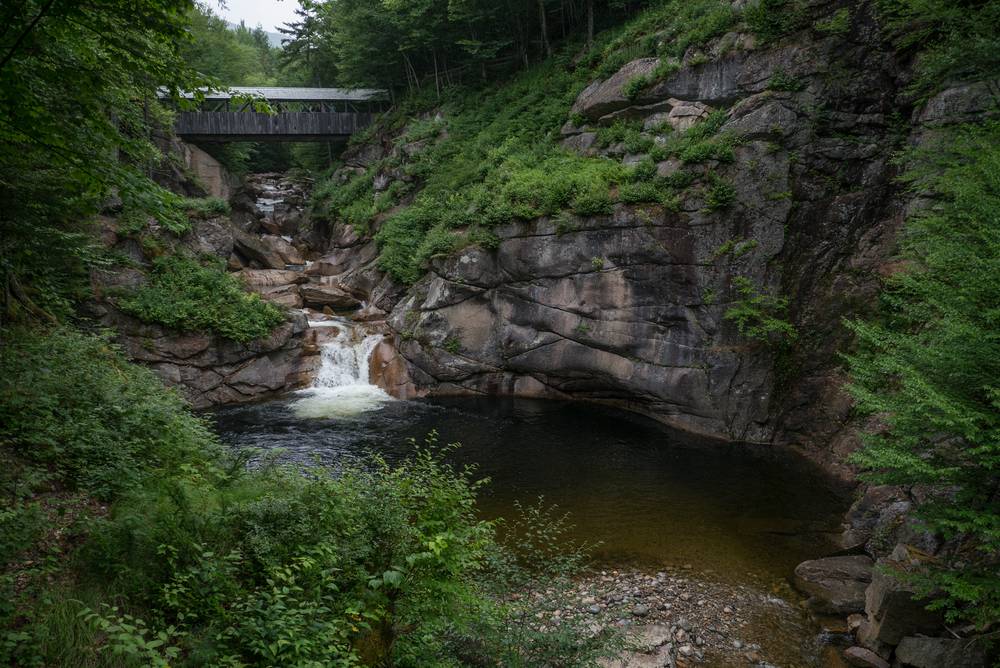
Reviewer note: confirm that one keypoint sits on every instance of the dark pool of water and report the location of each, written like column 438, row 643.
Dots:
column 649, row 494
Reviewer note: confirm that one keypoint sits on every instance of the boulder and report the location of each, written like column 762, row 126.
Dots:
column 582, row 143
column 255, row 250
column 328, row 294
column 603, row 97
column 212, row 236
column 282, row 295
column 266, row 278
column 836, row 585
column 914, row 652
column 684, row 115
column 289, row 253
column 864, row 658
column 893, row 607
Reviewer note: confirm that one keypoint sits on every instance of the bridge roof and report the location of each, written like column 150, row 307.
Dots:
column 287, row 94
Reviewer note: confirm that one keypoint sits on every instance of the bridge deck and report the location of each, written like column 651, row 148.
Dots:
column 284, row 126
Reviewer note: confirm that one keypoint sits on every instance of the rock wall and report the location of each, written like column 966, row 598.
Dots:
column 629, row 308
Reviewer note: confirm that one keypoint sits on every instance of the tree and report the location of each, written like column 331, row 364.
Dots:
column 930, row 367
column 78, row 95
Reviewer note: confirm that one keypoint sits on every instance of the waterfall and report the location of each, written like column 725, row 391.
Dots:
column 342, row 387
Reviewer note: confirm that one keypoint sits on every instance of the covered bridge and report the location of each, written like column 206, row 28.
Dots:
column 302, row 114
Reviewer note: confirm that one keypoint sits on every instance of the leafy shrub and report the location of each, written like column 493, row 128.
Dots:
column 837, row 24
column 772, row 19
column 719, row 195
column 758, row 316
column 206, row 207
column 957, row 41
column 928, row 366
column 74, row 407
column 783, row 81
column 186, row 295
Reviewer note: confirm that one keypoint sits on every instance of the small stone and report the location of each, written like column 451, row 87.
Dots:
column 594, row 609
column 685, row 650
column 589, row 600
column 737, row 644
column 685, row 596
column 640, row 610
column 727, row 610
column 684, row 623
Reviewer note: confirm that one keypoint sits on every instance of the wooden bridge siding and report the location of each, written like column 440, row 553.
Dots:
column 243, row 124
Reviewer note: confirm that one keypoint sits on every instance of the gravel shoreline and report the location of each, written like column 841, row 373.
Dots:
column 680, row 617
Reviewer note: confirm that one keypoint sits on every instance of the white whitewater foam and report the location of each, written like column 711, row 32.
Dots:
column 342, row 387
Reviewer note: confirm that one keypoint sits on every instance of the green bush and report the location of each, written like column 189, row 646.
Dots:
column 77, row 412
column 720, row 194
column 772, row 19
column 198, row 561
column 186, row 295
column 783, row 81
column 837, row 24
column 928, row 366
column 758, row 315
column 957, row 41
column 206, row 207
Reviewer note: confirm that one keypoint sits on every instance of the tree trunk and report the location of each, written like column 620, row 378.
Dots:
column 437, row 83
column 543, row 24
column 590, row 23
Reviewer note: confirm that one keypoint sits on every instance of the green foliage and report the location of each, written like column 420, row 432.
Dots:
column 770, row 20
column 620, row 131
column 239, row 56
column 499, row 160
column 78, row 94
column 758, row 315
column 720, row 194
column 77, row 412
column 928, row 366
column 783, row 81
column 199, row 561
column 452, row 345
column 187, row 295
column 957, row 40
column 700, row 143
column 837, row 24
column 636, row 85
column 666, row 28
column 205, row 207
column 131, row 638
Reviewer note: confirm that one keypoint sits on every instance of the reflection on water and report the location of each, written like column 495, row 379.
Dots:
column 648, row 493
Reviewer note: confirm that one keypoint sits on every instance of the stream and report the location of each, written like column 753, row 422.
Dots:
column 651, row 497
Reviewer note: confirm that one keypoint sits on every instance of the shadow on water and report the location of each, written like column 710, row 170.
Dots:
column 651, row 495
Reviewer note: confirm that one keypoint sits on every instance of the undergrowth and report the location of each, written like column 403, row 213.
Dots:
column 191, row 559
column 189, row 295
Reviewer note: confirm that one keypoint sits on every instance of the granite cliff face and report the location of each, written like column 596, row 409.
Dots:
column 629, row 308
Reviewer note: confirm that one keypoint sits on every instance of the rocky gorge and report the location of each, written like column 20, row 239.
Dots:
column 629, row 308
